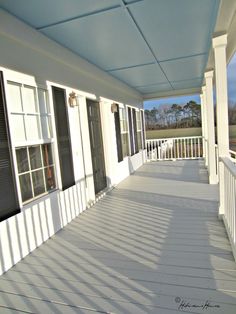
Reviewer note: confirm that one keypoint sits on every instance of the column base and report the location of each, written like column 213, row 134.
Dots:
column 213, row 180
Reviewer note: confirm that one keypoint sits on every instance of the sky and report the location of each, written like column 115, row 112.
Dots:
column 231, row 74
column 169, row 101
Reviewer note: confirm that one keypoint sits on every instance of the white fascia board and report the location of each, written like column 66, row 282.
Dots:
column 173, row 93
column 225, row 24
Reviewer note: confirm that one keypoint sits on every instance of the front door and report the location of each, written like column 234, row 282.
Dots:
column 96, row 143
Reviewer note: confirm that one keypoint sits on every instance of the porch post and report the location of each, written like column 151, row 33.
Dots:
column 219, row 45
column 211, row 128
column 203, row 125
column 206, row 124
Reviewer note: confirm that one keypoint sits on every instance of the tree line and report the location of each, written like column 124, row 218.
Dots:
column 174, row 116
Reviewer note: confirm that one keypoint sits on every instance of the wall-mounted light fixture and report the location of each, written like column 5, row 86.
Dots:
column 114, row 108
column 73, row 99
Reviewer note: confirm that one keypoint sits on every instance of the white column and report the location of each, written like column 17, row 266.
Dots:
column 213, row 179
column 219, row 45
column 203, row 125
column 206, row 124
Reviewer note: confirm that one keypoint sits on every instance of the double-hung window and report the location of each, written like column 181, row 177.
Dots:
column 32, row 139
column 143, row 129
column 139, row 130
column 124, row 132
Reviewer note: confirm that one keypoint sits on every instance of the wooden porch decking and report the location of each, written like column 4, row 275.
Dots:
column 152, row 245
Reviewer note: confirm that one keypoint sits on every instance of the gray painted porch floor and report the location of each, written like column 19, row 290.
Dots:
column 151, row 245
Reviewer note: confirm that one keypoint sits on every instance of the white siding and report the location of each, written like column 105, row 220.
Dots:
column 25, row 50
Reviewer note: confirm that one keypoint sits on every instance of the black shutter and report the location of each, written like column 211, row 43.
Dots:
column 135, row 131
column 8, row 200
column 143, row 130
column 63, row 137
column 131, row 132
column 118, row 135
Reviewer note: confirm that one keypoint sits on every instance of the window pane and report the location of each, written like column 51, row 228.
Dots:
column 125, row 145
column 29, row 99
column 50, row 178
column 138, row 120
column 25, row 186
column 18, row 127
column 46, row 127
column 47, row 155
column 35, row 157
column 32, row 128
column 22, row 160
column 43, row 103
column 139, row 140
column 15, row 97
column 38, row 182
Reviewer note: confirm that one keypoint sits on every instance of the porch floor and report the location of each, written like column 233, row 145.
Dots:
column 154, row 244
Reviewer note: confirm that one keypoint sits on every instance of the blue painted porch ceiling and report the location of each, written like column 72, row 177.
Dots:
column 108, row 40
column 47, row 12
column 152, row 45
column 141, row 75
column 175, row 29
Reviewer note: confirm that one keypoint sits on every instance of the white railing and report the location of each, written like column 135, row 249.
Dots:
column 229, row 200
column 232, row 155
column 174, row 148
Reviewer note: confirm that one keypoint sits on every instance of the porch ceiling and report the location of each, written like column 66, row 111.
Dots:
column 154, row 46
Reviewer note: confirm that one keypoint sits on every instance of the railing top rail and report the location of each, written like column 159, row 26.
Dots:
column 232, row 152
column 229, row 164
column 173, row 138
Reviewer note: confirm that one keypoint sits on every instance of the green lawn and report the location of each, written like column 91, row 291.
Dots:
column 184, row 132
column 173, row 133
column 232, row 132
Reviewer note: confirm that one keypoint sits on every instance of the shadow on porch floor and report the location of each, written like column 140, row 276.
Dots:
column 152, row 245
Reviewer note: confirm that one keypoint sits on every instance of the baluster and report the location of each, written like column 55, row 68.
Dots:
column 184, row 148
column 234, row 213
column 198, row 146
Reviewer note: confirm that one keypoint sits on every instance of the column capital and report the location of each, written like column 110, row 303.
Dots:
column 209, row 74
column 219, row 41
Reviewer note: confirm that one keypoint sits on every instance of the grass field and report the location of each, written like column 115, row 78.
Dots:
column 173, row 133
column 184, row 132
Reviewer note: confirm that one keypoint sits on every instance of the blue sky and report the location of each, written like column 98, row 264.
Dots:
column 169, row 101
column 231, row 73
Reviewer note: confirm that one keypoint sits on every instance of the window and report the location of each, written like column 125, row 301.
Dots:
column 30, row 123
column 131, row 131
column 124, row 132
column 30, row 114
column 139, row 130
column 36, row 170
column 135, row 131
column 143, row 129
column 118, row 134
